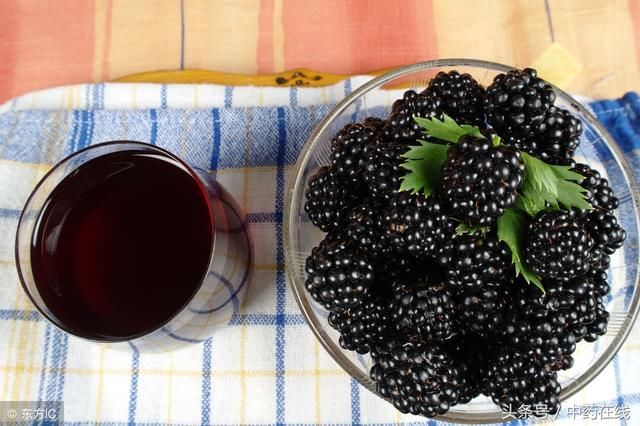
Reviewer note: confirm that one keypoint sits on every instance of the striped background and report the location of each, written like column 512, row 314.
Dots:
column 53, row 42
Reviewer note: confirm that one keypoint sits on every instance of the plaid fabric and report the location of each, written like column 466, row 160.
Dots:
column 266, row 367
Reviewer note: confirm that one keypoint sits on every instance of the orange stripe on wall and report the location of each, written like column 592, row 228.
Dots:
column 265, row 37
column 331, row 35
column 56, row 43
column 8, row 19
column 634, row 9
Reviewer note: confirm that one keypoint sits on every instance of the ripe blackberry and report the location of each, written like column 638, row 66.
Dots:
column 461, row 97
column 364, row 229
column 516, row 103
column 479, row 181
column 554, row 139
column 339, row 275
column 349, row 148
column 415, row 377
column 599, row 326
column 422, row 308
column 473, row 260
column 516, row 380
column 415, row 225
column 470, row 356
column 364, row 326
column 600, row 195
column 603, row 227
column 577, row 299
column 400, row 126
column 329, row 200
column 535, row 329
column 557, row 246
column 383, row 170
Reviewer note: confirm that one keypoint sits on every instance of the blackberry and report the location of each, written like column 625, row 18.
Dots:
column 415, row 377
column 479, row 181
column 577, row 300
column 516, row 103
column 362, row 327
column 557, row 246
column 423, row 309
column 516, row 380
column 460, row 95
column 349, row 148
column 415, row 224
column 383, row 170
column 400, row 126
column 470, row 357
column 364, row 229
column 553, row 140
column 603, row 227
column 339, row 275
column 557, row 138
column 599, row 326
column 329, row 200
column 472, row 260
column 600, row 195
column 534, row 329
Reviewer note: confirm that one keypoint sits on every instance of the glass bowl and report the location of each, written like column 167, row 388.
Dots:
column 597, row 149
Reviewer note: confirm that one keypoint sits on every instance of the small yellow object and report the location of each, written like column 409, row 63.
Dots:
column 557, row 66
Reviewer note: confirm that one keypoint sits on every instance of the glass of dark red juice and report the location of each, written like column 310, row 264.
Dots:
column 125, row 243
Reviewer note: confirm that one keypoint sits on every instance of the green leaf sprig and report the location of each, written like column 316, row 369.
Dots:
column 544, row 186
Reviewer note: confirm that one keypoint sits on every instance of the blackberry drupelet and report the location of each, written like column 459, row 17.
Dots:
column 416, row 377
column 400, row 126
column 557, row 247
column 423, row 308
column 364, row 229
column 556, row 139
column 329, row 200
column 349, row 148
column 460, row 95
column 364, row 326
column 415, row 225
column 516, row 103
column 600, row 195
column 383, row 170
column 339, row 274
column 535, row 329
column 479, row 181
column 515, row 380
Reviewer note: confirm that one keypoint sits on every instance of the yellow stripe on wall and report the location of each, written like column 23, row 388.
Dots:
column 221, row 36
column 145, row 34
column 592, row 29
column 512, row 33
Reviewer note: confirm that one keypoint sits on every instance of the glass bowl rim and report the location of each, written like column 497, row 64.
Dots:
column 297, row 286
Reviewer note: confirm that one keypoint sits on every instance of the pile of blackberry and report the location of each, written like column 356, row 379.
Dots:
column 443, row 313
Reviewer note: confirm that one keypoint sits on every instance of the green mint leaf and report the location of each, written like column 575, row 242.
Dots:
column 510, row 230
column 548, row 186
column 424, row 165
column 446, row 129
column 465, row 228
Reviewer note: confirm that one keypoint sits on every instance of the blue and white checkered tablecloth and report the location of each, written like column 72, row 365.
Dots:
column 267, row 367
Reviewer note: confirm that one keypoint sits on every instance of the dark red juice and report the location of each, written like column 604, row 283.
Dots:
column 122, row 245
